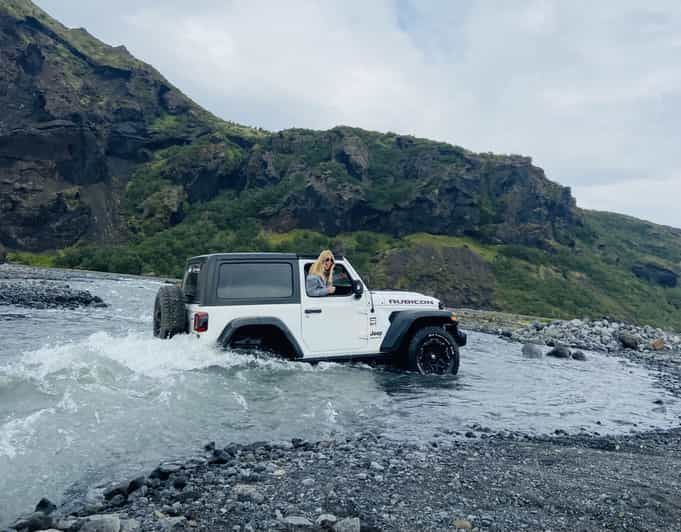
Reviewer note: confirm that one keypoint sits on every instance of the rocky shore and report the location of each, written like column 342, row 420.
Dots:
column 484, row 482
column 29, row 287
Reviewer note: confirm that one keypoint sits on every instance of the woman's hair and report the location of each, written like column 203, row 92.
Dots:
column 317, row 267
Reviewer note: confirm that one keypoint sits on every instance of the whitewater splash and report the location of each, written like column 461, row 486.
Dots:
column 136, row 365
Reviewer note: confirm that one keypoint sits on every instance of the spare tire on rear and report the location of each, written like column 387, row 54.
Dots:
column 170, row 315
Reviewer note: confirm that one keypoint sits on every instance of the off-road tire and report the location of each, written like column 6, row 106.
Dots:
column 170, row 315
column 433, row 351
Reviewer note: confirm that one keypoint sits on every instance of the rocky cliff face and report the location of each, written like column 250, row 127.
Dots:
column 348, row 179
column 76, row 117
column 95, row 146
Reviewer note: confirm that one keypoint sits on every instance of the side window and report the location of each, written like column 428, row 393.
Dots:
column 190, row 283
column 341, row 280
column 255, row 281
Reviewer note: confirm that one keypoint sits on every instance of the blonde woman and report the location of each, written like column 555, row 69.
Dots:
column 319, row 281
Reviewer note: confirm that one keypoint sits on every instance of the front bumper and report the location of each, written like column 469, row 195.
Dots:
column 459, row 336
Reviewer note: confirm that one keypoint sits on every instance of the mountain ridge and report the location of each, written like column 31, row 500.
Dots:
column 105, row 164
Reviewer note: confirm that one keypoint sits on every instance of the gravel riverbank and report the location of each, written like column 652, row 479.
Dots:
column 35, row 288
column 484, row 482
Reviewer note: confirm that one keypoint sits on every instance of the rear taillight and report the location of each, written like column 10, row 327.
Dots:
column 201, row 321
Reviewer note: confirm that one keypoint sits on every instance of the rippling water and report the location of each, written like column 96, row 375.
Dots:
column 88, row 394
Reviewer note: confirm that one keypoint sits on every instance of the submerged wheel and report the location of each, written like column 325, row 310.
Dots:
column 170, row 316
column 433, row 351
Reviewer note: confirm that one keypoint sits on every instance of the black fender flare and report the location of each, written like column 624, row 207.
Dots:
column 236, row 324
column 402, row 321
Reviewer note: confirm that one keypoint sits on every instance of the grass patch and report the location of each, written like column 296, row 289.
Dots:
column 38, row 260
column 489, row 253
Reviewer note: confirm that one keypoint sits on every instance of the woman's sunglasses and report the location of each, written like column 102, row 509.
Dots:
column 329, row 260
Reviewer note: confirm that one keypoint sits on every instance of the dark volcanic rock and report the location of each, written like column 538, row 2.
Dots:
column 422, row 186
column 456, row 275
column 45, row 506
column 532, row 351
column 656, row 274
column 45, row 294
column 578, row 355
column 33, row 522
column 630, row 341
column 76, row 118
column 559, row 352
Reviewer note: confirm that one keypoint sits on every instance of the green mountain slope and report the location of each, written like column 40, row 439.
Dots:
column 105, row 165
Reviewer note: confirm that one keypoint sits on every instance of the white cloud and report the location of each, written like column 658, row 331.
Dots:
column 637, row 198
column 592, row 91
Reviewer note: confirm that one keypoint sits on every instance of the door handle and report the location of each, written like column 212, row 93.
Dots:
column 313, row 311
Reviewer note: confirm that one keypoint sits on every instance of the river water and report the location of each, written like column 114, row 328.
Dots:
column 88, row 395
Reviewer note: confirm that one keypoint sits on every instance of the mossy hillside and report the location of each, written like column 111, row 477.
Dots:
column 561, row 283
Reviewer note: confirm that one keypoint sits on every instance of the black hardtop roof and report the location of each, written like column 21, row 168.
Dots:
column 256, row 256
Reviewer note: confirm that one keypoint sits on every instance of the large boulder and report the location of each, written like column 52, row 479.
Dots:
column 629, row 341
column 559, row 352
column 532, row 351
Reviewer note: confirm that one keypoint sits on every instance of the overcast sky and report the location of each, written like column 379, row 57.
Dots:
column 590, row 90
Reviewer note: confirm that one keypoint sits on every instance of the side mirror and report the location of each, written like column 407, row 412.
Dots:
column 357, row 288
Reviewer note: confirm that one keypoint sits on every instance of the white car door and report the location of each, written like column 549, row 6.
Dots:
column 337, row 324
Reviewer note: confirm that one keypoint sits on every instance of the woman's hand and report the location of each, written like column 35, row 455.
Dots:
column 332, row 289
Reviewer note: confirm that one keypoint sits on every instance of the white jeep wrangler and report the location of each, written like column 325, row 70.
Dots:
column 258, row 301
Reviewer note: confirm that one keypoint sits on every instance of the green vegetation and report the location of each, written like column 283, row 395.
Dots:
column 38, row 260
column 564, row 283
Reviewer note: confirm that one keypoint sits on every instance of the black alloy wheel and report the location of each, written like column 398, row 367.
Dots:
column 433, row 351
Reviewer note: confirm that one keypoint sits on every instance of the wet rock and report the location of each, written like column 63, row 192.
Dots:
column 119, row 488
column 578, row 355
column 220, row 457
column 245, row 492
column 129, row 525
column 101, row 523
column 117, row 500
column 349, row 524
column 44, row 294
column 66, row 523
column 629, row 341
column 657, row 344
column 326, row 520
column 173, row 523
column 180, row 483
column 296, row 521
column 559, row 352
column 34, row 521
column 135, row 484
column 532, row 351
column 45, row 506
column 298, row 442
column 308, row 482
column 462, row 524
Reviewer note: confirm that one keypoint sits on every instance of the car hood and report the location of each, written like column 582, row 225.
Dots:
column 402, row 300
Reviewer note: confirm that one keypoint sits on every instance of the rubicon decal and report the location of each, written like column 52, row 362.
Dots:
column 410, row 302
